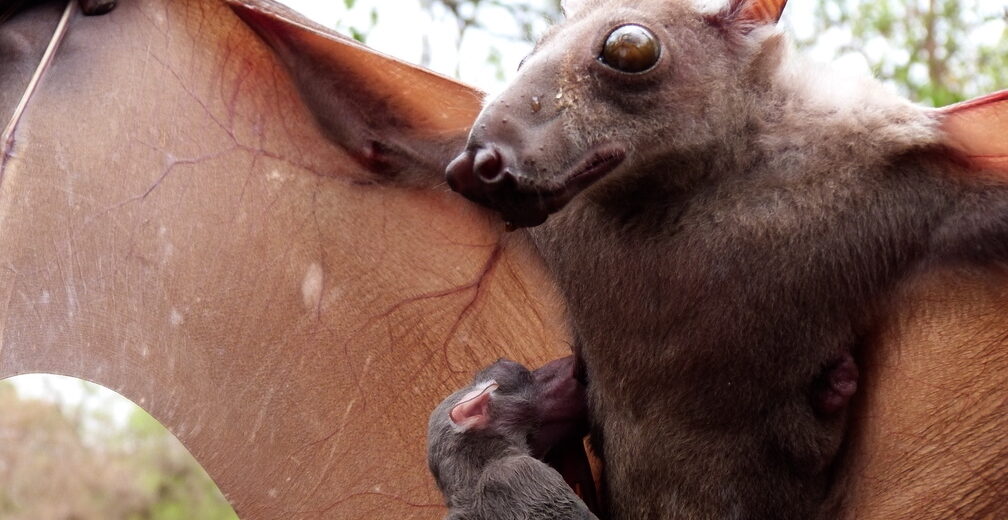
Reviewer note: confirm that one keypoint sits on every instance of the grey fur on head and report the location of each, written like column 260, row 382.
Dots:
column 483, row 465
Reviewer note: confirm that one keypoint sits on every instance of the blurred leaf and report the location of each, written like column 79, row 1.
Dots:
column 939, row 35
column 52, row 466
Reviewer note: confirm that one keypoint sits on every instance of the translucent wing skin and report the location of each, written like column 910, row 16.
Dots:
column 417, row 97
column 929, row 437
column 401, row 122
column 176, row 226
column 978, row 129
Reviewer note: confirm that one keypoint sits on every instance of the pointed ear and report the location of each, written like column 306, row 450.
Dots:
column 473, row 410
column 749, row 14
column 978, row 130
column 396, row 119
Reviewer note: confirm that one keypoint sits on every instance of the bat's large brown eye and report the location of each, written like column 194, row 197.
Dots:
column 631, row 48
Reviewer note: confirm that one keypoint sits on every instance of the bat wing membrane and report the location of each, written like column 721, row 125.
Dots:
column 978, row 130
column 394, row 117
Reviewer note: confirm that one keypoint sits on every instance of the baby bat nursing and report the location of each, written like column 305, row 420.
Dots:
column 481, row 441
column 726, row 223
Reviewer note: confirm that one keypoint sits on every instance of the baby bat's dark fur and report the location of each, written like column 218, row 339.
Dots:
column 487, row 472
column 748, row 242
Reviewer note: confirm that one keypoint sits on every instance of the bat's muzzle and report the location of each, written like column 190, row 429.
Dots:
column 483, row 175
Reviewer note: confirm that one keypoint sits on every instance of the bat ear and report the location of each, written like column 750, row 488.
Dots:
column 749, row 14
column 396, row 119
column 978, row 131
column 473, row 411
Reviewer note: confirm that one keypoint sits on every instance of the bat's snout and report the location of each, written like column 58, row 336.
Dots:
column 520, row 160
column 483, row 175
column 477, row 173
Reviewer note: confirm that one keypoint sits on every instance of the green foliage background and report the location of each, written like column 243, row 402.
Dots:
column 71, row 462
column 930, row 50
column 935, row 38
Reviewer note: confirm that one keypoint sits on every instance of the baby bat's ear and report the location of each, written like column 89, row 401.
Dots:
column 473, row 410
column 396, row 119
column 978, row 130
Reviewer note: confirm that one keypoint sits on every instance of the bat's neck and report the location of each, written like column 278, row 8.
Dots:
column 813, row 118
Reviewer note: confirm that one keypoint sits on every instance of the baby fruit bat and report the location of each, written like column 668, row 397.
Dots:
column 727, row 223
column 481, row 440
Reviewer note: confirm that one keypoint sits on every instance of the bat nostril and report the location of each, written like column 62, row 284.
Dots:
column 480, row 174
column 488, row 165
column 459, row 173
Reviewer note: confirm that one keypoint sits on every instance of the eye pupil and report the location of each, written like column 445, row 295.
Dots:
column 631, row 48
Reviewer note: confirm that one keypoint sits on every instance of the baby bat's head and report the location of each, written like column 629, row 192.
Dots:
column 490, row 418
column 615, row 88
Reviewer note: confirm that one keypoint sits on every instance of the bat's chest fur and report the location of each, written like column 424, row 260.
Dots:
column 714, row 314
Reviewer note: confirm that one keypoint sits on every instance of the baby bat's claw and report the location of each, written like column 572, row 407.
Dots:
column 835, row 387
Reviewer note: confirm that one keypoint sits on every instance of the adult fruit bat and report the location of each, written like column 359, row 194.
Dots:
column 480, row 453
column 727, row 223
column 281, row 278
